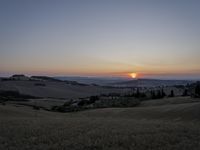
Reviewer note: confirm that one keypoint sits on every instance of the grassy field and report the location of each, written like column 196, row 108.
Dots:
column 172, row 100
column 163, row 127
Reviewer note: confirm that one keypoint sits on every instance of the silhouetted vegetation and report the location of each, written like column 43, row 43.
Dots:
column 179, row 86
column 137, row 94
column 153, row 95
column 185, row 93
column 93, row 99
column 14, row 95
column 158, row 94
column 96, row 102
column 197, row 89
column 121, row 102
column 163, row 93
column 171, row 93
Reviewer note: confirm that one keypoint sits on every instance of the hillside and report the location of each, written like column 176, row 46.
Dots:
column 103, row 81
column 54, row 89
column 166, row 127
column 182, row 111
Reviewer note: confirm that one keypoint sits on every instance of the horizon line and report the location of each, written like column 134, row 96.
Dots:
column 109, row 77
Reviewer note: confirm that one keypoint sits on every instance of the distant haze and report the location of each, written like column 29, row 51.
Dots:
column 112, row 38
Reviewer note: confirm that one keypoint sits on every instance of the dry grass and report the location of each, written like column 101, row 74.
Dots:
column 169, row 101
column 24, row 128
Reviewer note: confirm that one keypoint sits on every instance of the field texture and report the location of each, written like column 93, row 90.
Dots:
column 166, row 127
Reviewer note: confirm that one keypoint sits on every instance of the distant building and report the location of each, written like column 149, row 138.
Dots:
column 19, row 77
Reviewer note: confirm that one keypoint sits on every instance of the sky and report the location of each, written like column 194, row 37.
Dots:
column 153, row 38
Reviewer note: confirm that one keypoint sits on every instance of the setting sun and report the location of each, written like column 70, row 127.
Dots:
column 133, row 75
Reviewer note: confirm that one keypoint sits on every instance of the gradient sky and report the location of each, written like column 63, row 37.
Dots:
column 155, row 38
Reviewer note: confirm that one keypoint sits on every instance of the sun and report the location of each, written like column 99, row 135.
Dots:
column 133, row 75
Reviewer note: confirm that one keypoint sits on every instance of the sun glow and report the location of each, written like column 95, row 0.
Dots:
column 133, row 75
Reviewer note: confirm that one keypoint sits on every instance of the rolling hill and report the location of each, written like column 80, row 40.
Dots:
column 54, row 89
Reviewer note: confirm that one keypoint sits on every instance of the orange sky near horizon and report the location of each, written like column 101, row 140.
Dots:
column 117, row 71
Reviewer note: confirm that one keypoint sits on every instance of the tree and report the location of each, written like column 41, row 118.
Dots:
column 185, row 92
column 137, row 93
column 197, row 90
column 159, row 94
column 93, row 99
column 153, row 95
column 163, row 93
column 172, row 93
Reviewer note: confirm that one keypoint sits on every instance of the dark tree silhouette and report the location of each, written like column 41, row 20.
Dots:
column 172, row 93
column 137, row 93
column 159, row 94
column 93, row 99
column 153, row 95
column 197, row 90
column 163, row 93
column 185, row 92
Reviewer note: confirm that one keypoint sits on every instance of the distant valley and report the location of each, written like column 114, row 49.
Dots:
column 126, row 82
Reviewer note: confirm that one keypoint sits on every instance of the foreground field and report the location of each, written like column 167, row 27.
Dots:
column 166, row 127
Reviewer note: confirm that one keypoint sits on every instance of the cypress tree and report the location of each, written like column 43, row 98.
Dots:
column 163, row 93
column 172, row 93
column 185, row 92
column 153, row 95
column 137, row 93
column 159, row 94
column 197, row 89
